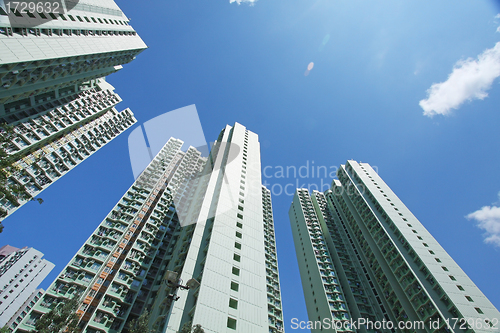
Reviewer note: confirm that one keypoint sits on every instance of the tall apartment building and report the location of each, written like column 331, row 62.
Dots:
column 16, row 319
column 47, row 54
column 230, row 250
column 21, row 271
column 207, row 219
column 53, row 60
column 47, row 146
column 364, row 257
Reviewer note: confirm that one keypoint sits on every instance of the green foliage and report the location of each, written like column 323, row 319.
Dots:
column 197, row 329
column 61, row 319
column 140, row 325
column 10, row 191
column 187, row 328
column 5, row 329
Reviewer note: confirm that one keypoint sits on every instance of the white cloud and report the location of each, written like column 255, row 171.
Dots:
column 488, row 219
column 250, row 2
column 469, row 80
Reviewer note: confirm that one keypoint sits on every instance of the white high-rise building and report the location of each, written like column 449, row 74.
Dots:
column 188, row 221
column 16, row 319
column 21, row 271
column 47, row 54
column 53, row 60
column 230, row 249
column 364, row 257
column 47, row 146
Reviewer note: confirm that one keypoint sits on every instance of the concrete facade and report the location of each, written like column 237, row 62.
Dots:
column 388, row 265
column 21, row 271
column 204, row 218
column 52, row 87
column 47, row 146
column 49, row 55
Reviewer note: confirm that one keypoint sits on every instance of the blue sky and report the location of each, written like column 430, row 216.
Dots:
column 383, row 64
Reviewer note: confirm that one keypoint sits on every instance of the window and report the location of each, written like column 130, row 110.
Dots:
column 237, row 257
column 231, row 323
column 425, row 245
column 444, row 268
column 419, row 237
column 414, row 231
column 242, row 201
column 238, row 234
column 479, row 310
column 236, row 271
column 237, row 245
column 240, row 216
column 437, row 259
column 452, row 278
column 469, row 298
column 431, row 252
column 240, row 208
column 233, row 303
column 239, row 225
column 235, row 286
column 460, row 288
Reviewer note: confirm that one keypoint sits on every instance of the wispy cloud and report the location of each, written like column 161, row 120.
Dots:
column 469, row 80
column 239, row 2
column 488, row 219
